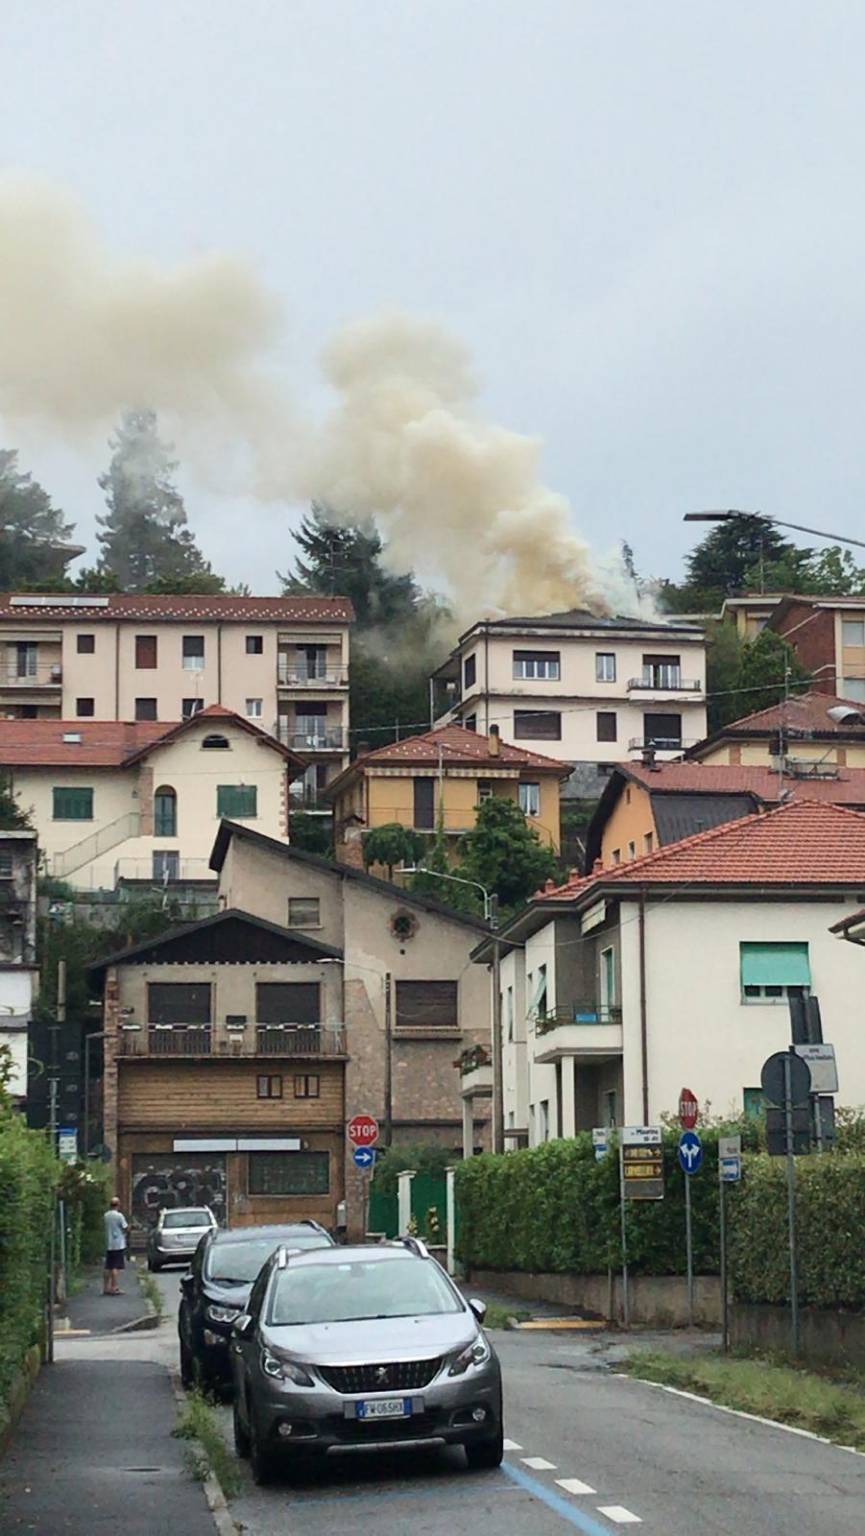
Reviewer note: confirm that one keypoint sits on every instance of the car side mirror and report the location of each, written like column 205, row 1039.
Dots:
column 186, row 1283
column 479, row 1308
column 242, row 1325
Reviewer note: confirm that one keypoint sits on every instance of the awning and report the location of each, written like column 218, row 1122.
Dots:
column 775, row 965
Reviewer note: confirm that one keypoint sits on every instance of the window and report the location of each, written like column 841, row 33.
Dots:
column 530, row 799
column 190, row 707
column 84, row 707
column 253, row 709
column 538, row 994
column 165, row 812
column 753, row 1102
column 239, row 802
column 539, row 724
column 605, row 667
column 610, row 1107
column 471, row 722
column 307, row 1085
column 606, row 725
column 470, row 671
column 166, row 866
column 287, row 1002
column 617, row 855
column 25, row 660
column 424, row 804
column 289, row 1173
column 648, row 842
column 255, row 645
column 485, row 790
column 544, row 1120
column 310, row 663
column 193, row 652
column 427, row 1005
column 304, row 912
column 215, row 743
column 6, row 869
column 544, row 665
column 145, row 651
column 145, row 709
column 769, row 972
column 632, row 850
column 853, row 688
column 853, row 631
column 269, row 1086
column 73, row 804
column 85, row 644
column 662, row 672
column 178, row 1002
column 608, row 978
column 663, row 731
column 509, row 1012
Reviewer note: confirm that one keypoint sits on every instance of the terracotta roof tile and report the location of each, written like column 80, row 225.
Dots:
column 188, row 606
column 458, row 747
column 806, row 712
column 108, row 743
column 848, row 788
column 804, row 843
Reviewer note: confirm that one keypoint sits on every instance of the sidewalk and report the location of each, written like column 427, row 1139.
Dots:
column 89, row 1311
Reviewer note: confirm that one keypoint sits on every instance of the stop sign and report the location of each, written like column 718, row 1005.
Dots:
column 363, row 1131
column 689, row 1109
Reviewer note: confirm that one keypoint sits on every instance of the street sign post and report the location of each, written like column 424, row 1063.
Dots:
column 786, row 1082
column 67, row 1144
column 690, row 1152
column 641, row 1177
column 363, row 1131
column 600, row 1142
column 729, row 1172
column 364, row 1158
column 822, row 1065
column 689, row 1109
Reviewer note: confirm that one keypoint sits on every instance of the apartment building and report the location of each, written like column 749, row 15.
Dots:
column 280, row 662
column 591, row 690
column 809, row 733
column 18, row 972
column 828, row 636
column 124, row 801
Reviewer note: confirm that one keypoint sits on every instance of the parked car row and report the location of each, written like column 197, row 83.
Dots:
column 331, row 1350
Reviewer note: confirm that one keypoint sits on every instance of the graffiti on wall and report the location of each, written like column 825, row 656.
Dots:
column 165, row 1181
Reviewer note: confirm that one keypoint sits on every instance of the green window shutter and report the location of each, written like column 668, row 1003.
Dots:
column 73, row 804
column 236, row 801
column 775, row 965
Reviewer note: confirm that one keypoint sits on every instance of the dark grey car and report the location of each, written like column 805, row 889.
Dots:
column 362, row 1348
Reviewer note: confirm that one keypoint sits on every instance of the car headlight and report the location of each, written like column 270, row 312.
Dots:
column 222, row 1314
column 284, row 1370
column 476, row 1353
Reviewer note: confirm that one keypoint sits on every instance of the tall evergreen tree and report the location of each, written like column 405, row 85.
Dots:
column 144, row 538
column 32, row 529
column 345, row 559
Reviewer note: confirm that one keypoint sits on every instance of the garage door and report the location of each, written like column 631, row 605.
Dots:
column 174, row 1180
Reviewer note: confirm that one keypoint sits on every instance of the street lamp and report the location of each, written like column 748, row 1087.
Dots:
column 490, row 916
column 777, row 522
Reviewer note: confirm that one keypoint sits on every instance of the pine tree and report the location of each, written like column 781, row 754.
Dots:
column 345, row 559
column 32, row 530
column 144, row 539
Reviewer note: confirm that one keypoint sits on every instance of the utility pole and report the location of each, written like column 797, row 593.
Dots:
column 388, row 1060
column 498, row 1126
column 53, row 1083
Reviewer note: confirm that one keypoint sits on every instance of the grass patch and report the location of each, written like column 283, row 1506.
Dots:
column 499, row 1317
column 207, row 1451
column 781, row 1392
column 152, row 1292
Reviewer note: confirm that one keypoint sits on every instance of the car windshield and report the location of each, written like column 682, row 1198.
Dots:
column 358, row 1289
column 185, row 1219
column 238, row 1262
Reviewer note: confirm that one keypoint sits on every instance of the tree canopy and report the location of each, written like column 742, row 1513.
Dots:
column 748, row 554
column 32, row 529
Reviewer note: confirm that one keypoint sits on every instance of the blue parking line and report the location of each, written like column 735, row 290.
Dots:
column 555, row 1502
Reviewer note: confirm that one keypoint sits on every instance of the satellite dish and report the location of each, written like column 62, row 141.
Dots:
column 846, row 714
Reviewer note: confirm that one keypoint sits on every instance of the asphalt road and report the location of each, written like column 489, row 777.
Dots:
column 588, row 1450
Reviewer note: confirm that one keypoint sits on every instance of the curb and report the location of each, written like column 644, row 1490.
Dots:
column 216, row 1501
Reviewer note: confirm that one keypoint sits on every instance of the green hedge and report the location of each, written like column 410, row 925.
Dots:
column 555, row 1208
column 27, row 1177
column 830, row 1211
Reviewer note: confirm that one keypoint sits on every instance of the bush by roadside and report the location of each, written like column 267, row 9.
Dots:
column 830, row 1205
column 28, row 1172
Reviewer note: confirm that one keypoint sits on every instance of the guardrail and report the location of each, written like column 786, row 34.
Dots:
column 665, row 684
column 242, row 1039
column 44, row 675
column 289, row 676
column 577, row 1013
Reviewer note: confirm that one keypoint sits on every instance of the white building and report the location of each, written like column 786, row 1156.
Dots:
column 676, row 970
column 18, row 973
column 598, row 688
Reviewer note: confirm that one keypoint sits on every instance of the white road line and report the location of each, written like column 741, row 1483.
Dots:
column 619, row 1514
column 573, row 1485
column 739, row 1413
column 538, row 1464
column 511, row 1445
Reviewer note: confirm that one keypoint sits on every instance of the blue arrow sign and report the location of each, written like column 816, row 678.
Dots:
column 690, row 1152
column 364, row 1157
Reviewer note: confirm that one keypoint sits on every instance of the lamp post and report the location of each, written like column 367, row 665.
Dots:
column 490, row 917
column 777, row 522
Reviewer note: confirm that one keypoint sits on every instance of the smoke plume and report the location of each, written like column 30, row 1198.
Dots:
column 86, row 335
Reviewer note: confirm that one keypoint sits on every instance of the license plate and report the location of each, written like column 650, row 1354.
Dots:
column 385, row 1408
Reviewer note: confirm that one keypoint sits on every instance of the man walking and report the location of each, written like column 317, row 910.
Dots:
column 116, row 1229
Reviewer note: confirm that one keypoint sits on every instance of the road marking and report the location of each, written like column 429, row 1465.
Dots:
column 740, row 1413
column 561, row 1323
column 618, row 1513
column 555, row 1502
column 511, row 1445
column 573, row 1485
column 538, row 1463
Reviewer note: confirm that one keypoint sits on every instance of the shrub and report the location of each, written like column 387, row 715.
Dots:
column 27, row 1177
column 423, row 1157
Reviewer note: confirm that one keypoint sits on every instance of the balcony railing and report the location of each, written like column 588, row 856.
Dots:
column 664, row 682
column 331, row 740
column 249, row 1039
column 577, row 1013
column 290, row 675
column 181, row 872
column 662, row 743
column 43, row 675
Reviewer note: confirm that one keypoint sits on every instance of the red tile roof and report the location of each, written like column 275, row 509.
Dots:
column 454, row 746
column 690, row 778
column 108, row 743
column 807, row 712
column 190, row 607
column 804, row 843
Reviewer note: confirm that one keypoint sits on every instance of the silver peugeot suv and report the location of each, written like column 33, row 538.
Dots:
column 362, row 1348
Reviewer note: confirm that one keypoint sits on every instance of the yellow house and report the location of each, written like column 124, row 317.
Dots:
column 440, row 779
column 811, row 732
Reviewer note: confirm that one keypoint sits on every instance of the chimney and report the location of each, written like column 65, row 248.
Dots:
column 495, row 744
column 648, row 756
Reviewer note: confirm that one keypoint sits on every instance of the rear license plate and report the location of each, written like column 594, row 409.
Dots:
column 385, row 1408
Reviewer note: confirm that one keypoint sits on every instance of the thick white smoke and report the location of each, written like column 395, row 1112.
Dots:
column 84, row 335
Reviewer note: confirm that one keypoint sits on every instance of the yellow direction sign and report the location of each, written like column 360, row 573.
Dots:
column 642, row 1162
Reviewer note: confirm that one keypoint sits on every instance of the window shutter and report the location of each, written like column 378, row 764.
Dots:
column 775, row 965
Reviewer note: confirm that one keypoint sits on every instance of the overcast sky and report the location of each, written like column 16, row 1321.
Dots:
column 645, row 219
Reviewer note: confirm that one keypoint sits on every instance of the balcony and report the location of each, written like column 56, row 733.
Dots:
column 664, row 747
column 590, row 1031
column 663, row 683
column 476, row 1072
column 43, row 675
column 332, row 740
column 222, row 1040
column 290, row 675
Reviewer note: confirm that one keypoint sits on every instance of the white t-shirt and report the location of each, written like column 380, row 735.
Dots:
column 115, row 1231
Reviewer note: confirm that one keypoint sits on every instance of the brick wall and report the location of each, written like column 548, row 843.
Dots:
column 811, row 633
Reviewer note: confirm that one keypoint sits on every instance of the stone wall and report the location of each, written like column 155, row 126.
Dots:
column 826, row 1337
column 658, row 1301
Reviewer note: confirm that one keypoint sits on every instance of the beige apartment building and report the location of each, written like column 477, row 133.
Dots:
column 280, row 662
column 585, row 689
column 124, row 801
